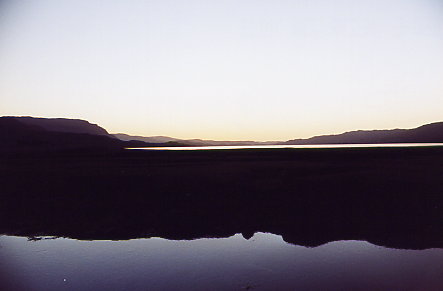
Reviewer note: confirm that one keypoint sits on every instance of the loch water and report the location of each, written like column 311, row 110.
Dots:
column 263, row 262
column 287, row 146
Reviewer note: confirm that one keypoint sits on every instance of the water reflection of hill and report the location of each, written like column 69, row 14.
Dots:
column 389, row 197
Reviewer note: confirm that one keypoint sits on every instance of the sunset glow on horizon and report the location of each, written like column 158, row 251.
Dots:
column 224, row 70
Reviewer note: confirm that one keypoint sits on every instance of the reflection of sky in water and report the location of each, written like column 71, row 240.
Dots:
column 313, row 146
column 265, row 262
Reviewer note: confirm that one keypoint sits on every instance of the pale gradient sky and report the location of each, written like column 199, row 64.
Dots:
column 228, row 70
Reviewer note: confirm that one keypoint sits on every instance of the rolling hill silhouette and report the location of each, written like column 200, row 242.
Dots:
column 22, row 134
column 189, row 142
column 148, row 139
column 30, row 133
column 62, row 125
column 429, row 133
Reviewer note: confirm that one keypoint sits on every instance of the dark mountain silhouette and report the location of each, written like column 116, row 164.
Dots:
column 148, row 139
column 63, row 125
column 26, row 133
column 430, row 133
column 19, row 134
column 190, row 142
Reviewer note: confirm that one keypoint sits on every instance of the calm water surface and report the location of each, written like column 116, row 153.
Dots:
column 317, row 146
column 264, row 262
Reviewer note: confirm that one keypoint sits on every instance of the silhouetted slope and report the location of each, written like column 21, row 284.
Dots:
column 430, row 133
column 56, row 133
column 149, row 139
column 16, row 135
column 63, row 125
column 189, row 142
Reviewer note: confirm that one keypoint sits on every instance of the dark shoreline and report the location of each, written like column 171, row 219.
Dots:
column 386, row 196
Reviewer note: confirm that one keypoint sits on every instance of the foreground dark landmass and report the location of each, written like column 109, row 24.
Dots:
column 387, row 196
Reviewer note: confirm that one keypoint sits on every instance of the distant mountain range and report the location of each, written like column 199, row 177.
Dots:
column 430, row 133
column 31, row 133
column 189, row 142
column 149, row 139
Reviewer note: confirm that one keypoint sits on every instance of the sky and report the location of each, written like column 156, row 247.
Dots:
column 226, row 69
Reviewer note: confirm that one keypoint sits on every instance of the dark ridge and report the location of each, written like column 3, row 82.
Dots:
column 430, row 133
column 18, row 136
column 149, row 139
column 62, row 125
column 189, row 142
